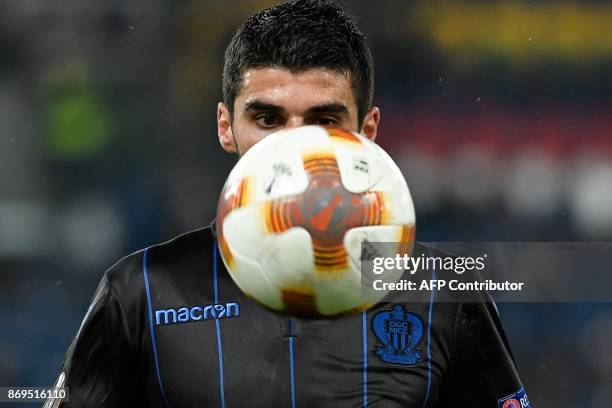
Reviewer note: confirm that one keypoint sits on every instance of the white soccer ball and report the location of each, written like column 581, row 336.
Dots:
column 295, row 210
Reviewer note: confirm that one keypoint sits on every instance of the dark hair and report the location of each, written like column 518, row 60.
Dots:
column 299, row 35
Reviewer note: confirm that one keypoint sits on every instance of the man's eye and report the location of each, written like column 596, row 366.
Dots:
column 326, row 121
column 267, row 120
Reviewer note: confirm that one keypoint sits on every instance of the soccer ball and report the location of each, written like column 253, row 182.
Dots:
column 294, row 212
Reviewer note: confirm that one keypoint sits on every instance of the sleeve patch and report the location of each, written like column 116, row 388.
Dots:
column 516, row 400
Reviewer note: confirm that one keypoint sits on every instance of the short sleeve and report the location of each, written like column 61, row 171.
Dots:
column 484, row 368
column 99, row 366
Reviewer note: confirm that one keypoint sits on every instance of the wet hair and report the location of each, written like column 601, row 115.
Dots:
column 299, row 35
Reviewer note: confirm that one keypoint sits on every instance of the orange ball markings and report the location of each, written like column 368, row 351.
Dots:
column 326, row 210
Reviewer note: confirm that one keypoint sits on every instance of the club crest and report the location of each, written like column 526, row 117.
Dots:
column 400, row 333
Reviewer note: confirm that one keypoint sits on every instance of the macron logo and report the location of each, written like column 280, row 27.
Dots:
column 196, row 313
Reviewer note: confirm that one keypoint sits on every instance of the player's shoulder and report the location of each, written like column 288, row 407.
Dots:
column 178, row 253
column 189, row 247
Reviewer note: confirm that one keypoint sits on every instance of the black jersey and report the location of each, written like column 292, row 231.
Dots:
column 168, row 327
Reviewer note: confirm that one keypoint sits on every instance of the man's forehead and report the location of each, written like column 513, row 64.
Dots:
column 304, row 89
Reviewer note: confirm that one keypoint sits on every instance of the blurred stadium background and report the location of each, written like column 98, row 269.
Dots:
column 499, row 113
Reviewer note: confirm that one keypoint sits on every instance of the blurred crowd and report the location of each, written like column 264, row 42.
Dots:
column 498, row 113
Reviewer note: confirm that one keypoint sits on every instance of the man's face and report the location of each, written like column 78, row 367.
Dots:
column 272, row 99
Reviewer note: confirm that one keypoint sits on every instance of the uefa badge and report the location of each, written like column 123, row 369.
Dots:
column 400, row 332
column 511, row 403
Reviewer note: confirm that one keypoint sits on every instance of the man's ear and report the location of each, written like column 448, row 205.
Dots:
column 370, row 123
column 224, row 129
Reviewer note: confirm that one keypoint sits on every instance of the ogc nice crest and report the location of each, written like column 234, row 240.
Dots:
column 400, row 332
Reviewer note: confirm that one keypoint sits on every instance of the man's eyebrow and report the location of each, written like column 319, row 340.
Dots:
column 328, row 108
column 262, row 106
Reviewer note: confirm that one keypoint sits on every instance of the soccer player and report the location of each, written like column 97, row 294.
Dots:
column 167, row 326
